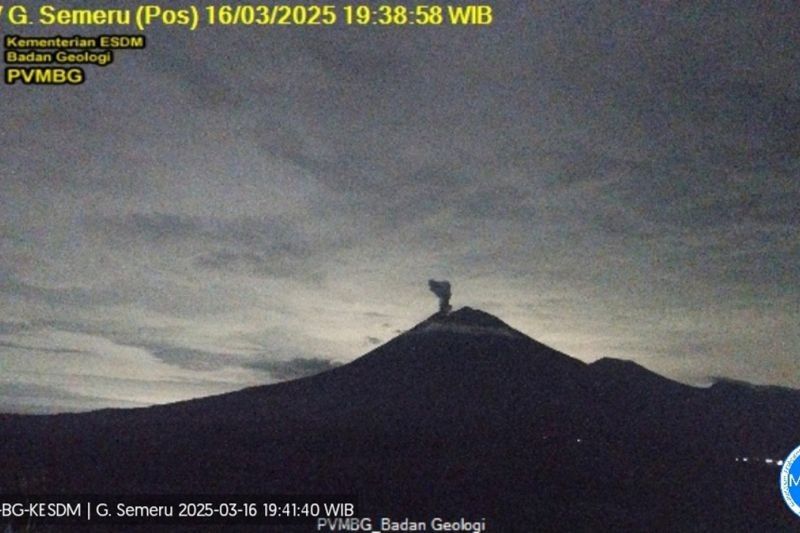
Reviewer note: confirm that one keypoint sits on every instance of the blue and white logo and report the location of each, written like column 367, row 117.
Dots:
column 790, row 481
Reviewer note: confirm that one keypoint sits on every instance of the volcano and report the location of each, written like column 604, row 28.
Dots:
column 461, row 416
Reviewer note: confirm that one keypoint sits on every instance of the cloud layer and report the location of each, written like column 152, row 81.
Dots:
column 229, row 206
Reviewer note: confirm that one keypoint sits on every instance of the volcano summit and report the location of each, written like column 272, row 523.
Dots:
column 461, row 417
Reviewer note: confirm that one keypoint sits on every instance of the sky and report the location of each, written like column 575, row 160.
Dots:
column 239, row 206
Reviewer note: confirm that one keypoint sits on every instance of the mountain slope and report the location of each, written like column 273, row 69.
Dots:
column 460, row 416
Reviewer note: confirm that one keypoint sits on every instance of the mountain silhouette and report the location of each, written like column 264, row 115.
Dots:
column 460, row 416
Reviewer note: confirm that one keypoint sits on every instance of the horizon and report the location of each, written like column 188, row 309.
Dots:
column 299, row 368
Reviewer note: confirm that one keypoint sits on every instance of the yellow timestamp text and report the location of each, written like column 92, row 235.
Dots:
column 349, row 14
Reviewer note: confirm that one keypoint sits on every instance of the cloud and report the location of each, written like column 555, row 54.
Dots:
column 30, row 398
column 248, row 231
column 156, row 226
column 39, row 348
column 294, row 368
column 248, row 245
column 75, row 296
column 257, row 264
column 92, row 366
column 190, row 358
column 12, row 327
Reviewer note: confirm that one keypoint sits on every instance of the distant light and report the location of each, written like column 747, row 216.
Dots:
column 767, row 460
column 577, row 440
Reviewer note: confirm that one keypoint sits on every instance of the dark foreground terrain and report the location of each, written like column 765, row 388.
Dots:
column 461, row 416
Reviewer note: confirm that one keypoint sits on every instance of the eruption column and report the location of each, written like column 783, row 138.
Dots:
column 442, row 290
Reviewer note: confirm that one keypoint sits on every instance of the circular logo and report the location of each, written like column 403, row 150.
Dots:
column 790, row 481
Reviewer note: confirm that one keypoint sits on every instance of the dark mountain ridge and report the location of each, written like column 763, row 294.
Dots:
column 461, row 415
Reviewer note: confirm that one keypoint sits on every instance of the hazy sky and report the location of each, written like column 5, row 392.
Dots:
column 238, row 206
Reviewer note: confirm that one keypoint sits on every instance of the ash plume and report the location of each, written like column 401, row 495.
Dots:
column 442, row 290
